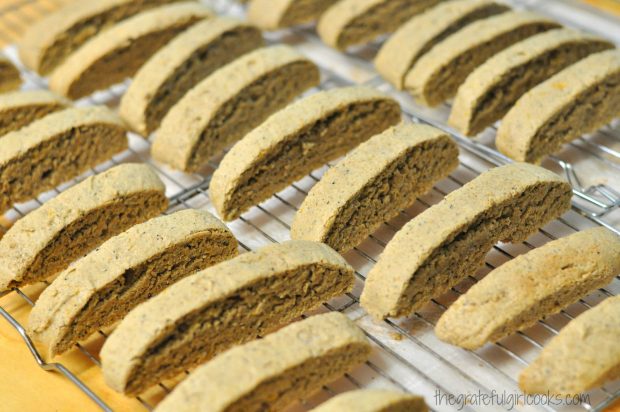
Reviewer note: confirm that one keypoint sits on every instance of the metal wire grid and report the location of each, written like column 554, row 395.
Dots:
column 492, row 368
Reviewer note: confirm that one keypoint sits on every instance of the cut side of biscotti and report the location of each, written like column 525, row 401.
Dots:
column 438, row 74
column 584, row 355
column 373, row 400
column 18, row 109
column 231, row 102
column 353, row 22
column 447, row 242
column 295, row 141
column 494, row 87
column 180, row 65
column 542, row 282
column 270, row 373
column 373, row 184
column 10, row 78
column 276, row 14
column 102, row 287
column 579, row 99
column 48, row 42
column 118, row 52
column 421, row 33
column 56, row 148
column 225, row 305
column 47, row 240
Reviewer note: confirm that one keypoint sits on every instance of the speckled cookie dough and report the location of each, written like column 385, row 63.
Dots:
column 542, row 282
column 295, row 141
column 230, row 103
column 102, row 287
column 584, row 355
column 225, row 305
column 118, row 52
column 373, row 184
column 56, row 148
column 268, row 374
column 579, row 99
column 438, row 74
column 373, row 400
column 18, row 109
column 449, row 240
column 180, row 65
column 275, row 14
column 68, row 226
column 421, row 33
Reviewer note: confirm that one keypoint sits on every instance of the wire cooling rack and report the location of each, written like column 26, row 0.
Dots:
column 407, row 356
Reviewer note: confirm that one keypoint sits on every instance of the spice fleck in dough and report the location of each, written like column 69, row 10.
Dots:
column 46, row 240
column 225, row 305
column 102, row 287
column 118, row 52
column 231, row 102
column 584, row 355
column 18, row 109
column 449, row 240
column 295, row 141
column 270, row 373
column 543, row 281
column 373, row 184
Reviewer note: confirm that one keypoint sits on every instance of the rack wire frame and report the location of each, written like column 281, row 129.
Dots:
column 436, row 366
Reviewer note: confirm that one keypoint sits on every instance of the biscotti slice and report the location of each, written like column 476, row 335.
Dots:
column 10, row 78
column 56, row 148
column 438, row 74
column 373, row 184
column 352, row 22
column 584, row 355
column 17, row 109
column 448, row 241
column 228, row 104
column 102, row 287
column 542, row 282
column 295, row 141
column 494, row 87
column 373, row 400
column 276, row 14
column 45, row 241
column 270, row 373
column 228, row 304
column 118, row 52
column 180, row 65
column 416, row 37
column 577, row 100
column 49, row 41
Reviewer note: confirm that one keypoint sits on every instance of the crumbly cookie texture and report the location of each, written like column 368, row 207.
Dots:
column 422, row 32
column 495, row 86
column 543, row 281
column 102, row 287
column 180, row 65
column 230, row 103
column 373, row 400
column 295, row 141
column 579, row 99
column 449, row 241
column 45, row 241
column 10, row 78
column 353, row 22
column 373, row 184
column 18, row 109
column 583, row 356
column 270, row 373
column 225, row 305
column 438, row 74
column 118, row 52
column 276, row 14
column 57, row 148
column 49, row 41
